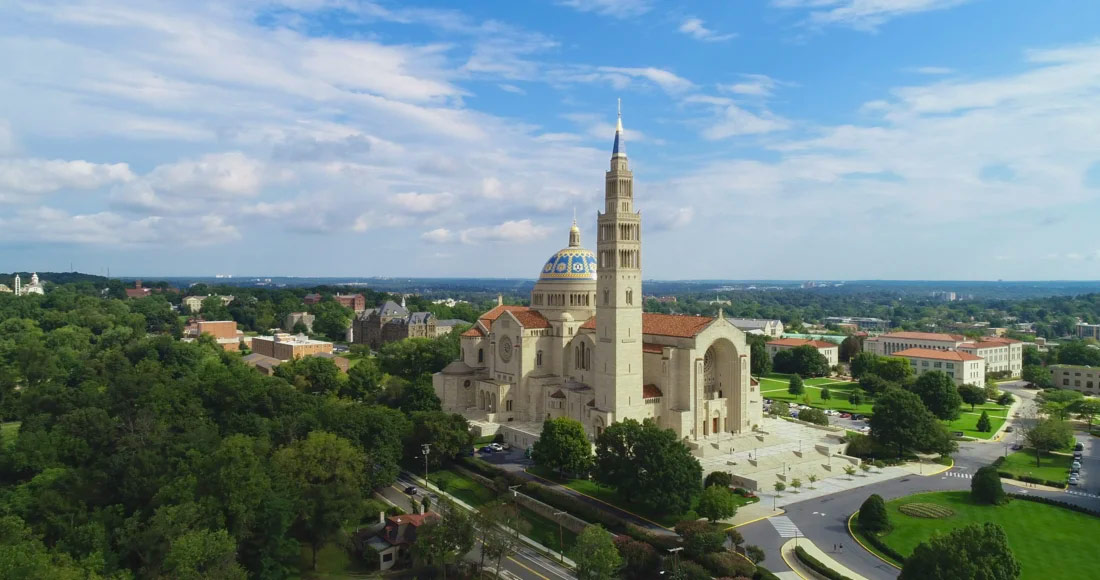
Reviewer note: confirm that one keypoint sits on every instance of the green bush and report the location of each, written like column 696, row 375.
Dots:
column 690, row 570
column 872, row 517
column 986, row 487
column 763, row 573
column 817, row 566
column 882, row 547
column 727, row 564
column 815, row 416
column 719, row 478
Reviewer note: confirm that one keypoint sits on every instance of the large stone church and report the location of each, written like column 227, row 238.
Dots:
column 584, row 349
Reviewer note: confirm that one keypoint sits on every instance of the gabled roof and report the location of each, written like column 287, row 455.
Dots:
column 652, row 348
column 474, row 331
column 651, row 391
column 676, row 325
column 951, row 355
column 801, row 342
column 391, row 308
column 558, row 395
column 524, row 314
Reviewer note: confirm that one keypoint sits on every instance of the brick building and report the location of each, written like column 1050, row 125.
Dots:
column 285, row 346
column 356, row 302
column 223, row 331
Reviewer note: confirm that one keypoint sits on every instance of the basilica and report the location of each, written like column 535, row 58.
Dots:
column 585, row 349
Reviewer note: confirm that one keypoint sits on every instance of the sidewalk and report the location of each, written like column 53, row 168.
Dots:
column 753, row 512
column 787, row 551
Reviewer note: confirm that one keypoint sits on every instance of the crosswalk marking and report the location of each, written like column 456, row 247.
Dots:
column 957, row 474
column 1082, row 493
column 785, row 527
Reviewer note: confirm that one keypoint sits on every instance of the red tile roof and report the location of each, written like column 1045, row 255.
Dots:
column 801, row 342
column 925, row 336
column 474, row 331
column 137, row 292
column 988, row 344
column 652, row 348
column 558, row 395
column 666, row 324
column 651, row 391
column 952, row 355
column 754, row 382
column 531, row 319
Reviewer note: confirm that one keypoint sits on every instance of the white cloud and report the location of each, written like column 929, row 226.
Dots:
column 50, row 225
column 512, row 231
column 8, row 144
column 667, row 80
column 736, row 121
column 695, row 28
column 613, row 8
column 670, row 218
column 931, row 70
column 754, row 85
column 232, row 173
column 423, row 203
column 508, row 88
column 438, row 236
column 863, row 14
column 22, row 176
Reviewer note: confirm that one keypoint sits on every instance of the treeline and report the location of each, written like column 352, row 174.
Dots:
column 140, row 455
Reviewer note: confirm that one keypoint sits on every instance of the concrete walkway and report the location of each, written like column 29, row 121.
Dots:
column 753, row 512
column 803, row 570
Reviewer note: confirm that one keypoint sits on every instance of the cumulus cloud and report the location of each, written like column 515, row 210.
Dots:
column 695, row 28
column 8, row 145
column 667, row 80
column 753, row 85
column 438, row 236
column 51, row 225
column 513, row 231
column 862, row 14
column 735, row 121
column 20, row 177
column 613, row 8
column 422, row 203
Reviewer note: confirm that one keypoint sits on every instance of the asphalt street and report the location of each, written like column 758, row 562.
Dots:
column 523, row 564
column 824, row 520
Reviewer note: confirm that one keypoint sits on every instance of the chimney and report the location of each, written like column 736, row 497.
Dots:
column 500, row 300
column 137, row 284
column 381, row 517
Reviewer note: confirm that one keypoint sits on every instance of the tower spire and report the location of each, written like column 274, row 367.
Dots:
column 619, row 150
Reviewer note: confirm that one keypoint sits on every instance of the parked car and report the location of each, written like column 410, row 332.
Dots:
column 1017, row 447
column 487, row 449
column 1077, row 455
column 1009, row 429
column 496, row 446
column 857, row 417
column 411, row 490
column 1077, row 465
column 507, row 446
column 1079, row 447
column 864, row 429
column 845, row 416
column 1074, row 480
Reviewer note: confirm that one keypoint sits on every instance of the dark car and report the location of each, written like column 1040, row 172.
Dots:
column 487, row 449
column 1079, row 447
column 1017, row 447
column 857, row 417
column 411, row 490
column 1009, row 429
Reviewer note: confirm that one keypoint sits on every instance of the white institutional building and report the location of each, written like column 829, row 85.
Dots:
column 20, row 289
column 1000, row 354
column 584, row 349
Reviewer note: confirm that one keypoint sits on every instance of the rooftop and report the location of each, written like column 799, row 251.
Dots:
column 940, row 336
column 675, row 325
column 802, row 342
column 951, row 355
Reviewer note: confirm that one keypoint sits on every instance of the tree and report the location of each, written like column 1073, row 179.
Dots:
column 938, row 393
column 214, row 309
column 825, row 394
column 796, row 386
column 203, row 554
column 1036, row 375
column 595, row 554
column 364, row 381
column 1086, row 409
column 780, row 486
column 419, row 395
column 1047, row 435
column 796, row 484
column 901, row 420
column 815, row 416
column 802, row 360
column 972, row 395
column 1005, row 399
column 1059, row 402
column 312, row 374
column 813, row 479
column 1031, row 356
column 974, row 552
column 498, row 528
column 862, row 364
column 1078, row 352
column 855, row 397
column 450, row 535
column 699, row 538
column 873, row 517
column 332, row 319
column 754, row 553
column 760, row 363
column 893, row 369
column 447, row 434
column 563, row 447
column 716, row 503
column 327, row 472
column 781, row 408
column 985, row 487
column 984, row 425
column 719, row 478
column 643, row 460
column 639, row 558
column 414, row 357
column 850, row 348
column 874, row 384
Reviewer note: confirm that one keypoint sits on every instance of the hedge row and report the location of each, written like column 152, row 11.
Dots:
column 817, row 566
column 882, row 547
column 1029, row 479
column 1055, row 502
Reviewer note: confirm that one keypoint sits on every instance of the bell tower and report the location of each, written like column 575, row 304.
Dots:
column 618, row 369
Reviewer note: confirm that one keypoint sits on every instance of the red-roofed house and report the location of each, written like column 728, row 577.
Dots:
column 393, row 542
column 138, row 291
column 829, row 349
column 965, row 368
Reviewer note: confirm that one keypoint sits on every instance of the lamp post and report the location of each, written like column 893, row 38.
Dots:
column 676, row 558
column 561, row 542
column 426, row 448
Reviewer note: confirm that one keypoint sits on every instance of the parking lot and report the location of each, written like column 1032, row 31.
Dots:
column 836, row 418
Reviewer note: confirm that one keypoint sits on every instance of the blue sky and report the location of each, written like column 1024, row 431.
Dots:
column 793, row 139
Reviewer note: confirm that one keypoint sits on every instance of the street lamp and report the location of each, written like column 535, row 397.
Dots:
column 561, row 542
column 426, row 448
column 676, row 558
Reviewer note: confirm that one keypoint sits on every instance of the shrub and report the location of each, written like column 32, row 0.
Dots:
column 815, row 416
column 699, row 538
column 755, row 553
column 727, row 564
column 763, row 573
column 825, row 394
column 872, row 516
column 692, row 571
column 926, row 510
column 986, row 488
column 817, row 566
column 639, row 558
column 984, row 424
column 855, row 398
column 881, row 546
column 1054, row 502
column 719, row 478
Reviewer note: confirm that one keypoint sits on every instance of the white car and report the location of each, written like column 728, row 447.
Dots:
column 496, row 446
column 864, row 429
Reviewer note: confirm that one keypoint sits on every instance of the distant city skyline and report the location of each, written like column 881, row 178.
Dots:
column 833, row 140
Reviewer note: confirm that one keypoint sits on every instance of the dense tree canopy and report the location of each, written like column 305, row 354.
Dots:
column 974, row 552
column 648, row 464
column 803, row 360
column 901, row 421
column 938, row 393
column 563, row 446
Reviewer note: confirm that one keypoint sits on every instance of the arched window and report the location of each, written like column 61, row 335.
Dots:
column 629, row 296
column 538, row 358
column 480, row 355
column 606, row 296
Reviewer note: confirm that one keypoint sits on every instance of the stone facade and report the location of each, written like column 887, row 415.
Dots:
column 294, row 318
column 1000, row 354
column 285, row 346
column 829, row 350
column 964, row 368
column 391, row 322
column 584, row 349
column 1079, row 378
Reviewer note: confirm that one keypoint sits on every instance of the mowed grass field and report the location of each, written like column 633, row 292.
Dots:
column 1049, row 542
column 1051, row 467
column 774, row 386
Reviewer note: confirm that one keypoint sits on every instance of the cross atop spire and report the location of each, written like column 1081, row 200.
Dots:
column 619, row 150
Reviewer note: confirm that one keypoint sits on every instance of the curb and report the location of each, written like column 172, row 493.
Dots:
column 756, row 520
column 947, row 468
column 864, row 546
column 783, row 554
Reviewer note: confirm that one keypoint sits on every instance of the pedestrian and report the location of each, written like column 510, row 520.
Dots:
column 842, row 548
column 834, row 547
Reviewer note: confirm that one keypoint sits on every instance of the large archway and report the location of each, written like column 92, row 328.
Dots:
column 719, row 370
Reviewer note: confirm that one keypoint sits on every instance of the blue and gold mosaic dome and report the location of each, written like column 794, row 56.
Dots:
column 573, row 263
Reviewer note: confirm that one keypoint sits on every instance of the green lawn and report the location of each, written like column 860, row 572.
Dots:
column 1051, row 467
column 775, row 388
column 545, row 531
column 333, row 561
column 1049, row 542
column 465, row 489
column 9, row 432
